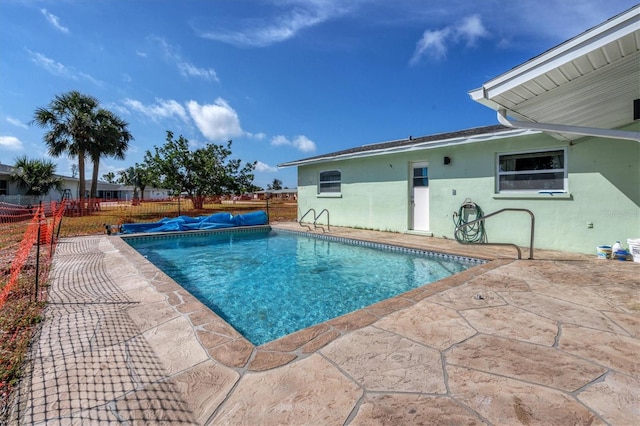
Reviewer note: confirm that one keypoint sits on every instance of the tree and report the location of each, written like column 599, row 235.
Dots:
column 70, row 119
column 74, row 170
column 109, row 177
column 77, row 127
column 275, row 185
column 110, row 139
column 137, row 176
column 204, row 172
column 36, row 176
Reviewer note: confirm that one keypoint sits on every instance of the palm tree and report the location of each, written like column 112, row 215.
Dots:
column 109, row 177
column 70, row 118
column 275, row 186
column 111, row 139
column 137, row 176
column 36, row 176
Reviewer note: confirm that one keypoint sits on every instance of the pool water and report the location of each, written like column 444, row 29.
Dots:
column 267, row 284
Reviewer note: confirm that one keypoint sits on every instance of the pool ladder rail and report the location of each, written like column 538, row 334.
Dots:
column 473, row 222
column 315, row 219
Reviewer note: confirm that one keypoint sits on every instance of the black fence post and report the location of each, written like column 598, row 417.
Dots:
column 59, row 226
column 54, row 222
column 267, row 200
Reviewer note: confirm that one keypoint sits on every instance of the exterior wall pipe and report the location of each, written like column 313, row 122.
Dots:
column 563, row 128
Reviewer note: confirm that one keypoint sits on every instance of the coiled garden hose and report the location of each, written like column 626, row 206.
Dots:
column 475, row 233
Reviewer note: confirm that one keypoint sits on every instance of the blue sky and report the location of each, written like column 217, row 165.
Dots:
column 284, row 80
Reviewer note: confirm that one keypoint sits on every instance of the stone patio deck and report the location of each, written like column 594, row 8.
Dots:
column 553, row 340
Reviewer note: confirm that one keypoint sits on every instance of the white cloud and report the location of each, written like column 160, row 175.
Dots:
column 55, row 21
column 267, row 31
column 436, row 42
column 162, row 109
column 432, row 42
column 172, row 54
column 265, row 168
column 471, row 29
column 190, row 70
column 50, row 65
column 16, row 122
column 11, row 143
column 279, row 140
column 217, row 122
column 61, row 70
column 259, row 136
column 300, row 142
column 169, row 52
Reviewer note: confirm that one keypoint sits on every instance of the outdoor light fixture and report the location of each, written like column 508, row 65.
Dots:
column 447, row 160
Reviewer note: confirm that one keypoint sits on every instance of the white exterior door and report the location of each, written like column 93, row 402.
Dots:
column 420, row 196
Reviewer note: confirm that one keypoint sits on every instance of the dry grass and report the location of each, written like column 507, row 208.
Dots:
column 22, row 312
column 119, row 213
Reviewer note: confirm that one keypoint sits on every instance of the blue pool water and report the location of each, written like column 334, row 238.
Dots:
column 267, row 284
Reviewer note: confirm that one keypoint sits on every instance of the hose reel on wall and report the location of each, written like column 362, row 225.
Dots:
column 473, row 233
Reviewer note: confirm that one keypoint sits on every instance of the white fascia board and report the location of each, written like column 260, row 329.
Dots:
column 416, row 147
column 608, row 32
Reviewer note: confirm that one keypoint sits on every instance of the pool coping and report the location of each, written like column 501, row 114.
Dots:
column 226, row 345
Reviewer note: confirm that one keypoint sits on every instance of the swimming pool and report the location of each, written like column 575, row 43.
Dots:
column 270, row 283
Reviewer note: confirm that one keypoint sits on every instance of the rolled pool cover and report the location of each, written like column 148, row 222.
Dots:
column 187, row 223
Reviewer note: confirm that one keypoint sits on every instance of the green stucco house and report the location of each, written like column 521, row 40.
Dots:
column 567, row 148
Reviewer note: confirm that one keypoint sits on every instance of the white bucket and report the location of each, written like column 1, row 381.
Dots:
column 634, row 248
column 603, row 252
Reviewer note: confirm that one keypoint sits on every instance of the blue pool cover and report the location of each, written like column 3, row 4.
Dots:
column 186, row 223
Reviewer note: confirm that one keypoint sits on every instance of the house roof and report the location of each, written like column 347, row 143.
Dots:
column 6, row 170
column 414, row 143
column 277, row 191
column 590, row 80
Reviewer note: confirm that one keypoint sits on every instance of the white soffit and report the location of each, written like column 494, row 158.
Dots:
column 590, row 80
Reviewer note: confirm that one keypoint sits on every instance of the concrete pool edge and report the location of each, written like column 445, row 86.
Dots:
column 227, row 346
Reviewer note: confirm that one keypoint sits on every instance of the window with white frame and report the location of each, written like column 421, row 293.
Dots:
column 532, row 171
column 330, row 182
column 3, row 187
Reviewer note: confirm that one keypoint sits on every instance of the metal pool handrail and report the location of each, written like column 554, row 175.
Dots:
column 318, row 216
column 315, row 219
column 533, row 221
column 305, row 215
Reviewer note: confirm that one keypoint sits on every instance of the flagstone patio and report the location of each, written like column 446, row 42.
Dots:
column 553, row 340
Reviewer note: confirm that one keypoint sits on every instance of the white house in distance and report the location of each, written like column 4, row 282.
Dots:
column 567, row 148
column 11, row 193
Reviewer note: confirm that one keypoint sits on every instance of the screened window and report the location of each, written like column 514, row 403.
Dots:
column 330, row 181
column 3, row 187
column 532, row 171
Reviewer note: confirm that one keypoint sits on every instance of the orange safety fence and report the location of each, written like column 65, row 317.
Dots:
column 24, row 248
column 12, row 213
column 37, row 223
column 57, row 218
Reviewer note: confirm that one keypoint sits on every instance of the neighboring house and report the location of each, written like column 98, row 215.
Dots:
column 580, row 175
column 11, row 193
column 118, row 192
column 285, row 194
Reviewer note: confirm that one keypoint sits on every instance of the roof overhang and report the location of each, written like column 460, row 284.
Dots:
column 445, row 142
column 588, row 82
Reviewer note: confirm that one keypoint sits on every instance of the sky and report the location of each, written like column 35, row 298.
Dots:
column 284, row 80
